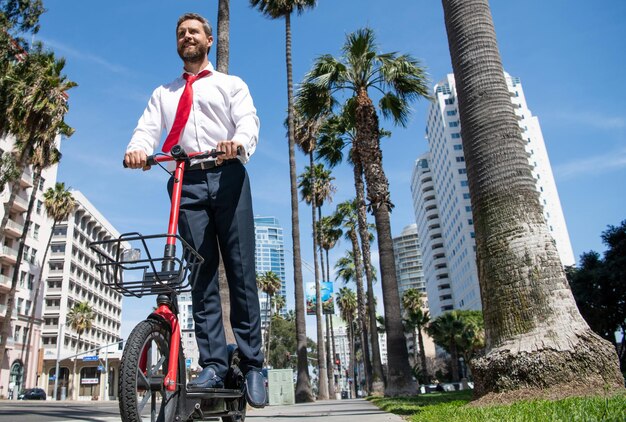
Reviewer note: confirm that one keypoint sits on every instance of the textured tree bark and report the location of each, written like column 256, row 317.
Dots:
column 535, row 336
column 377, row 386
column 399, row 379
column 303, row 380
column 223, row 36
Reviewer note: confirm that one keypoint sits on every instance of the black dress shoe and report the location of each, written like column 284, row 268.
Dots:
column 255, row 388
column 206, row 379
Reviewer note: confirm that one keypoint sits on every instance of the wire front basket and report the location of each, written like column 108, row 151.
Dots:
column 128, row 266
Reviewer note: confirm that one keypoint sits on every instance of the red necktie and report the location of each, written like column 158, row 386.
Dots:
column 183, row 110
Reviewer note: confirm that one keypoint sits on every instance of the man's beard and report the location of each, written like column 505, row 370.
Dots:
column 194, row 55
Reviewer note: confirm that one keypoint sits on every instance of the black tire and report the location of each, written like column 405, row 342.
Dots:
column 235, row 381
column 135, row 396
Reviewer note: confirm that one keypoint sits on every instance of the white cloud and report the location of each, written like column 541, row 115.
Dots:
column 88, row 57
column 591, row 165
column 593, row 119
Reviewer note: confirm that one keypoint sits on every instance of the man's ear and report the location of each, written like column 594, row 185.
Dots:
column 210, row 41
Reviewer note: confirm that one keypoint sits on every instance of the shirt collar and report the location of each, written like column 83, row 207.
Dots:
column 208, row 67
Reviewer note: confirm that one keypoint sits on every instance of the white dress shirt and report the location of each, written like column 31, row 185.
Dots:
column 222, row 109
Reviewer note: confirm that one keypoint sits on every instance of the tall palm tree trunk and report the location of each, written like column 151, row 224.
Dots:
column 321, row 353
column 329, row 361
column 415, row 346
column 334, row 350
column 399, row 381
column 221, row 64
column 360, row 297
column 420, row 339
column 377, row 380
column 352, row 361
column 223, row 36
column 303, row 380
column 6, row 322
column 269, row 329
column 73, row 383
column 529, row 311
column 31, row 317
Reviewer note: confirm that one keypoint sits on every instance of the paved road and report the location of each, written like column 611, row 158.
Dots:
column 326, row 411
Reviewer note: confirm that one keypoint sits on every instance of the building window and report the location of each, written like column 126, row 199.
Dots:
column 462, row 171
column 451, row 112
column 454, row 124
column 458, row 147
column 39, row 207
column 36, row 231
column 466, row 196
column 41, row 183
column 463, row 182
column 460, row 159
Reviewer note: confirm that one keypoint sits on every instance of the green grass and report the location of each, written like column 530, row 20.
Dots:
column 451, row 407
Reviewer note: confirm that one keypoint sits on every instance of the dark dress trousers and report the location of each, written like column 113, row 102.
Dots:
column 216, row 208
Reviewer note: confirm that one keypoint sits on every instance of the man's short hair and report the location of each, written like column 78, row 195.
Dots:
column 205, row 23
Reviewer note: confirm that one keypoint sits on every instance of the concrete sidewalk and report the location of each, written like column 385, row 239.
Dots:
column 327, row 411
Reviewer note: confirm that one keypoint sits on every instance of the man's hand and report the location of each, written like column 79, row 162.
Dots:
column 136, row 160
column 229, row 148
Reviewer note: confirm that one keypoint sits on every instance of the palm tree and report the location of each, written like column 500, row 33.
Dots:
column 529, row 311
column 329, row 233
column 269, row 283
column 80, row 319
column 223, row 36
column 316, row 187
column 276, row 9
column 417, row 319
column 279, row 303
column 335, row 134
column 346, row 301
column 346, row 213
column 401, row 79
column 59, row 204
column 36, row 106
column 447, row 330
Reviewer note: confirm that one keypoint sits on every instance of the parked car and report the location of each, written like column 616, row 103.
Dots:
column 32, row 394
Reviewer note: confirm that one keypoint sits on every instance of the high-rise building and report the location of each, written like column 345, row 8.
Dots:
column 442, row 203
column 408, row 258
column 16, row 373
column 269, row 256
column 70, row 278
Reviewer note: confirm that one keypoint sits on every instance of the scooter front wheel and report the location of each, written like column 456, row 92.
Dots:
column 143, row 368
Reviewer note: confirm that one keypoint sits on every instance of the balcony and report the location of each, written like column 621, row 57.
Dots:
column 20, row 204
column 8, row 255
column 5, row 283
column 26, row 181
column 13, row 229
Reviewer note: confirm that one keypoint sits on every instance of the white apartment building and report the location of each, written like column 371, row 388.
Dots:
column 16, row 372
column 444, row 213
column 408, row 258
column 71, row 277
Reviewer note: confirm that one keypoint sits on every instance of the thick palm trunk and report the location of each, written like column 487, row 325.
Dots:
column 420, row 339
column 415, row 346
column 31, row 317
column 303, row 380
column 377, row 379
column 454, row 358
column 6, row 322
column 223, row 36
column 535, row 336
column 399, row 381
column 360, row 298
column 321, row 353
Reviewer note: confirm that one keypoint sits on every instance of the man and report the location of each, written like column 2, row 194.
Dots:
column 202, row 110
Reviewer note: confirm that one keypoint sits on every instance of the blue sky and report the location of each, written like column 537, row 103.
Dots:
column 568, row 54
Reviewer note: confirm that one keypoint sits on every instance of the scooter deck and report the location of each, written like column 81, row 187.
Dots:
column 213, row 393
